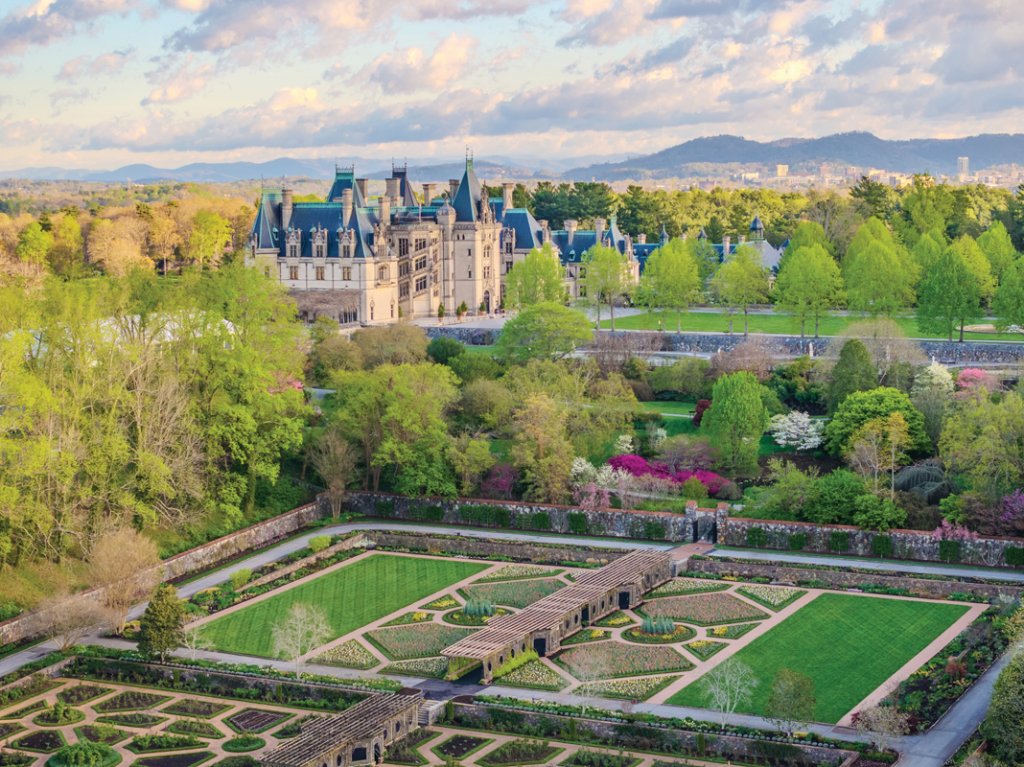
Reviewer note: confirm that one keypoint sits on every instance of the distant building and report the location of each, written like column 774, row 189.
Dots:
column 963, row 168
column 781, row 171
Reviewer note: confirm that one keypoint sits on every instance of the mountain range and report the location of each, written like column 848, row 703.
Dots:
column 697, row 157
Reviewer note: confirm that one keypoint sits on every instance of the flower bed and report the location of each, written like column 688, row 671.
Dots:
column 25, row 710
column 587, row 635
column 610, row 660
column 772, row 597
column 518, row 572
column 678, row 587
column 517, row 594
column 9, row 728
column 132, row 720
column 734, row 631
column 101, row 733
column 638, row 466
column 417, row 616
column 459, row 746
column 174, row 760
column 250, row 720
column 416, row 641
column 705, row 648
column 533, row 676
column 678, row 634
column 58, row 715
column 162, row 742
column 446, row 602
column 243, row 743
column 199, row 729
column 435, row 668
column 348, row 654
column 615, row 620
column 41, row 741
column 130, row 700
column 81, row 693
column 626, row 689
column 15, row 759
column 204, row 709
column 588, row 758
column 704, row 609
column 460, row 618
column 520, row 751
column 406, row 751
column 237, row 761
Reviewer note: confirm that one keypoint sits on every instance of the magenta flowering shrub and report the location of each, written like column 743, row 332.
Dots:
column 638, row 466
column 975, row 379
column 951, row 531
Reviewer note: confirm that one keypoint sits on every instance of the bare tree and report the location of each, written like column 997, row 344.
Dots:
column 67, row 618
column 883, row 724
column 729, row 686
column 334, row 459
column 301, row 631
column 124, row 563
column 192, row 639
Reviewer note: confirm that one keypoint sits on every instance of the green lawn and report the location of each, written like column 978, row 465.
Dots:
column 670, row 408
column 718, row 322
column 849, row 645
column 352, row 596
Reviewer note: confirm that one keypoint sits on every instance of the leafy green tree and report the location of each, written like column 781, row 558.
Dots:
column 1002, row 726
column 443, row 349
column 538, row 278
column 949, row 296
column 809, row 284
column 607, row 278
column 808, row 234
column 879, row 274
column 933, row 395
column 983, row 441
column 862, row 406
column 736, row 420
column 854, row 371
column 671, row 279
column 207, row 238
column 541, row 450
column 834, row 496
column 741, row 281
column 792, row 700
column 543, row 331
column 160, row 628
column 471, row 457
column 34, row 243
column 873, row 513
column 998, row 248
column 977, row 264
column 1008, row 303
column 67, row 256
column 397, row 344
column 928, row 250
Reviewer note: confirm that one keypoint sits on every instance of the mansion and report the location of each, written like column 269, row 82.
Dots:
column 372, row 261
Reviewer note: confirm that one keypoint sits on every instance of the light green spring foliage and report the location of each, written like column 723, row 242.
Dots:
column 671, row 279
column 543, row 331
column 736, row 420
column 607, row 277
column 950, row 293
column 998, row 248
column 879, row 273
column 538, row 278
column 809, row 284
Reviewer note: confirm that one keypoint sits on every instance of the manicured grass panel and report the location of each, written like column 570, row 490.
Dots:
column 849, row 645
column 352, row 596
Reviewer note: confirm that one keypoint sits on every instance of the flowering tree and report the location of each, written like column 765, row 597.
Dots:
column 1011, row 512
column 974, row 380
column 952, row 531
column 797, row 430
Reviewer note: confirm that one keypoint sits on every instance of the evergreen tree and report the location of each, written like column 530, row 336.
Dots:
column 160, row 626
column 855, row 371
column 949, row 296
column 809, row 284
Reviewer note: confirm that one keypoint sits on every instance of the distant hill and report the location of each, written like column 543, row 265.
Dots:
column 861, row 149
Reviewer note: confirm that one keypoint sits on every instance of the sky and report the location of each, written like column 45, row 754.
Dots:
column 103, row 83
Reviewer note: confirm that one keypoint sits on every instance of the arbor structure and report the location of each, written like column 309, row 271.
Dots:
column 538, row 278
column 809, row 284
column 671, row 278
column 160, row 628
column 741, row 281
column 607, row 278
column 736, row 420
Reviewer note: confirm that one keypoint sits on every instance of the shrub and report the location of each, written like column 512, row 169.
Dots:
column 881, row 546
column 578, row 524
column 442, row 349
column 797, row 541
column 241, row 577
column 729, row 491
column 699, row 410
column 949, row 551
column 657, row 626
column 319, row 542
column 756, row 537
column 85, row 754
column 694, row 489
column 839, row 541
column 479, row 608
column 1015, row 556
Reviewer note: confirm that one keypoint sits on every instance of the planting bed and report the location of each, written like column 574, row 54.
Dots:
column 104, row 734
column 25, row 710
column 417, row 640
column 348, row 654
column 517, row 594
column 132, row 720
column 293, row 728
column 459, row 618
column 534, row 676
column 204, row 709
column 735, row 631
column 352, row 596
column 459, row 746
column 587, row 635
column 41, row 741
column 244, row 743
column 58, row 716
column 679, row 634
column 685, row 586
column 705, row 648
column 626, row 689
column 417, row 616
column 615, row 620
column 609, row 660
column 520, row 751
column 406, row 751
column 519, row 572
column 704, row 609
column 15, row 759
column 142, row 744
column 772, row 597
column 435, row 668
column 81, row 693
column 250, row 720
column 192, row 727
column 130, row 700
column 587, row 758
column 442, row 603
column 174, row 760
column 9, row 728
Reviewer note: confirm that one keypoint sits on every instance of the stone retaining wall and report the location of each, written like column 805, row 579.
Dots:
column 645, row 737
column 357, row 541
column 848, row 579
column 539, row 553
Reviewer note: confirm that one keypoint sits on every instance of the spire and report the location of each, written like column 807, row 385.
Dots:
column 664, row 235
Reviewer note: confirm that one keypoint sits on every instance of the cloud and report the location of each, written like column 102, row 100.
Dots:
column 412, row 69
column 177, row 83
column 105, row 64
column 48, row 21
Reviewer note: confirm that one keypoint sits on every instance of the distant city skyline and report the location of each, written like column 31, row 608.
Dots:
column 103, row 83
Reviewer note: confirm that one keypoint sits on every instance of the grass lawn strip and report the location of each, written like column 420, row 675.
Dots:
column 704, row 609
column 460, row 746
column 434, row 668
column 678, row 587
column 352, row 596
column 518, row 572
column 849, row 645
column 348, row 654
column 416, row 641
column 626, row 689
column 517, row 594
column 533, row 676
column 611, row 660
column 520, row 751
column 773, row 597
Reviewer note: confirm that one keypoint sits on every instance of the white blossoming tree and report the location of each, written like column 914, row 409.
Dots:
column 797, row 430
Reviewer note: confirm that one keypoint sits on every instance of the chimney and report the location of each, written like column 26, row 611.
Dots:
column 506, row 194
column 570, row 225
column 286, row 207
column 384, row 209
column 453, row 187
column 428, row 193
column 346, row 207
column 545, row 232
column 599, row 228
column 742, row 239
column 725, row 246
column 392, row 185
column 361, row 183
column 641, row 238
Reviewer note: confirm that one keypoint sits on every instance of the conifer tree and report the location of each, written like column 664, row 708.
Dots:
column 160, row 628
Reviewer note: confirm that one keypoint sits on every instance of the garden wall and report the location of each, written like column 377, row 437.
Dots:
column 844, row 579
column 539, row 553
column 196, row 559
column 647, row 737
column 644, row 525
column 845, row 539
column 357, row 541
